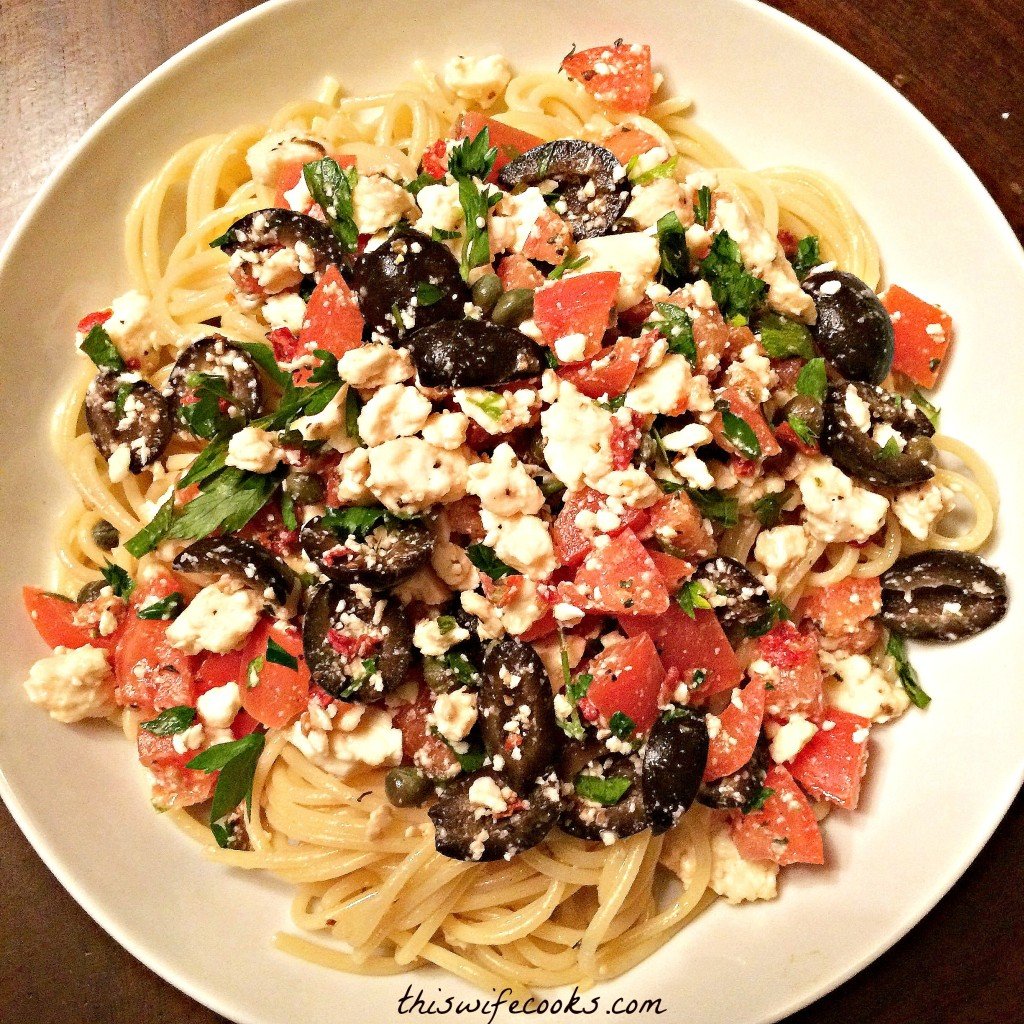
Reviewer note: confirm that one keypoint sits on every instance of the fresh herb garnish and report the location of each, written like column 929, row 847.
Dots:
column 428, row 294
column 227, row 502
column 738, row 432
column 165, row 609
column 170, row 721
column 702, row 207
column 736, row 292
column 205, row 416
column 153, row 532
column 890, row 450
column 477, row 249
column 813, row 380
column 420, row 182
column 488, row 562
column 492, row 405
column 758, row 800
column 236, row 761
column 353, row 406
column 777, row 612
column 473, row 158
column 277, row 655
column 691, row 596
column 621, row 725
column 896, row 648
column 288, row 516
column 931, row 411
column 101, row 350
column 768, row 509
column 808, row 256
column 358, row 520
column 357, row 682
column 443, row 235
column 569, row 263
column 677, row 327
column 783, row 338
column 253, row 670
column 802, row 429
column 263, row 356
column 713, row 504
column 446, row 623
column 603, row 791
column 464, row 670
column 118, row 580
column 331, row 188
column 662, row 170
column 221, row 240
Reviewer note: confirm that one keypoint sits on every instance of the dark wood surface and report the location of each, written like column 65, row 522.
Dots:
column 63, row 62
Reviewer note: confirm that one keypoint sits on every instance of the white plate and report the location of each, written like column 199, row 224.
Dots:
column 775, row 92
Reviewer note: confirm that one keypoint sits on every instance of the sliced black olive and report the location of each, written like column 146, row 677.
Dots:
column 245, row 560
column 674, row 760
column 589, row 179
column 587, row 819
column 356, row 649
column 463, row 833
column 853, row 330
column 737, row 790
column 473, row 354
column 123, row 410
column 217, row 357
column 746, row 600
column 942, row 596
column 408, row 282
column 385, row 556
column 514, row 679
column 272, row 228
column 856, row 452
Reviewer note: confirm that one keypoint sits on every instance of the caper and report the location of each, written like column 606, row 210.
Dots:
column 487, row 291
column 91, row 591
column 406, row 787
column 437, row 676
column 920, row 447
column 305, row 488
column 105, row 535
column 513, row 307
column 805, row 409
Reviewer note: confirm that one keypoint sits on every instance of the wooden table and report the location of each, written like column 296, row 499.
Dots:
column 63, row 62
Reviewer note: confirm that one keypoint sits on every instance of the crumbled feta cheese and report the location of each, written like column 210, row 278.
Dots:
column 633, row 487
column 503, row 485
column 664, row 389
column 279, row 271
column 432, row 642
column 268, row 157
column 856, row 408
column 752, row 372
column 188, row 739
column 218, row 707
column 378, row 202
column 446, row 430
column 374, row 742
column 690, row 436
column 132, row 330
column 373, row 366
column 410, row 475
column 479, row 80
column 454, row 714
column 735, row 878
column 119, row 463
column 918, row 508
column 636, row 257
column 328, row 424
column 514, row 218
column 490, row 627
column 577, row 436
column 861, row 688
column 523, row 608
column 836, row 509
column 440, row 208
column 286, row 310
column 650, row 203
column 789, row 739
column 73, row 684
column 254, row 450
column 779, row 550
column 522, row 541
column 396, row 410
column 571, row 349
column 498, row 412
column 215, row 620
column 486, row 793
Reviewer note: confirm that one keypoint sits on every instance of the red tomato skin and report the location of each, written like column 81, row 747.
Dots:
column 749, row 411
column 549, row 240
column 419, row 746
column 51, row 615
column 732, row 747
column 282, row 693
column 150, row 673
column 90, row 320
column 612, row 370
column 628, row 678
column 571, row 544
column 794, row 684
column 174, row 785
column 627, row 141
column 841, row 607
column 516, row 271
column 831, row 765
column 577, row 305
column 672, row 570
column 675, row 521
column 510, row 142
column 787, row 437
column 786, row 816
column 918, row 352
column 619, row 578
column 686, row 645
column 219, row 670
column 628, row 85
column 333, row 321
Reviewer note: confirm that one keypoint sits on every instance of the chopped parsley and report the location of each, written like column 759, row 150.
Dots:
column 621, row 725
column 768, row 509
column 473, row 158
column 758, row 800
column 101, row 350
column 446, row 623
column 783, row 338
column 777, row 612
column 677, row 327
column 170, row 721
column 691, row 596
column 118, row 580
column 702, row 207
column 802, row 429
column 358, row 520
column 603, row 791
column 891, row 450
column 736, row 292
column 675, row 256
column 277, row 655
column 236, row 761
column 896, row 648
column 569, row 263
column 808, row 256
column 738, row 432
column 428, row 294
column 926, row 407
column 491, row 404
column 813, row 380
column 166, row 608
column 662, row 170
column 488, row 562
column 331, row 188
column 443, row 235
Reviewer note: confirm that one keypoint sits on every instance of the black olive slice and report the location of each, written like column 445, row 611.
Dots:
column 674, row 760
column 273, row 228
column 464, row 830
column 217, row 357
column 394, row 282
column 387, row 555
column 517, row 714
column 856, row 452
column 735, row 791
column 245, row 560
column 853, row 330
column 746, row 600
column 586, row 819
column 473, row 354
column 588, row 178
column 357, row 647
column 942, row 596
column 122, row 409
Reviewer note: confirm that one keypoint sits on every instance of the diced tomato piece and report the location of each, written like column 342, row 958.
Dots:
column 832, row 763
column 577, row 305
column 419, row 745
column 90, row 320
column 695, row 650
column 784, row 830
column 333, row 321
column 793, row 680
column 751, row 413
column 285, row 344
column 549, row 238
column 618, row 76
column 740, row 725
column 628, row 141
column 219, row 670
column 287, row 178
column 612, row 370
column 52, row 616
column 510, row 142
column 571, row 543
column 267, row 527
column 787, row 436
column 174, row 785
column 671, row 569
column 842, row 607
column 619, row 578
column 627, row 678
column 922, row 333
column 676, row 523
column 435, row 159
column 516, row 271
column 281, row 693
column 625, row 440
column 150, row 673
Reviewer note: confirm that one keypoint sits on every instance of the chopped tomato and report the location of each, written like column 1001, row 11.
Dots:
column 219, row 670
column 628, row 141
column 284, row 343
column 290, row 172
column 627, row 678
column 619, row 578
column 784, row 830
column 435, row 159
column 516, row 271
column 671, row 569
column 510, row 142
column 90, row 320
column 420, row 746
column 150, row 673
column 750, row 413
column 922, row 333
column 618, row 76
column 280, row 693
column 793, row 676
column 787, row 436
column 52, row 616
column 612, row 370
column 676, row 523
column 732, row 746
column 695, row 650
column 842, row 607
column 333, row 321
column 577, row 305
column 549, row 238
column 571, row 543
column 832, row 763
column 625, row 439
column 174, row 785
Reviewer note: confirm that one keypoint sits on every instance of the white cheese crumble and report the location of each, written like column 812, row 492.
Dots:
column 858, row 686
column 218, row 707
column 737, row 879
column 454, row 714
column 267, row 158
column 373, row 366
column 479, row 80
column 432, row 642
column 377, row 203
column 918, row 508
column 789, row 739
column 521, row 541
column 215, row 620
column 254, row 450
column 635, row 256
column 410, row 475
column 664, row 389
column 779, row 550
column 486, row 793
column 503, row 485
column 73, row 684
column 396, row 410
column 836, row 509
column 577, row 436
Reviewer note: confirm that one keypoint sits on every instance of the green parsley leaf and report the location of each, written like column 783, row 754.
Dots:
column 492, row 404
column 101, row 350
column 890, row 451
column 446, row 623
column 263, row 356
column 118, row 580
column 331, row 188
column 896, row 648
column 221, row 240
column 768, row 509
column 808, row 256
column 462, row 667
column 663, row 170
column 621, row 725
column 758, row 800
column 735, row 291
column 170, row 721
column 702, row 208
column 713, row 504
column 677, row 327
column 738, row 432
column 121, row 400
column 477, row 248
column 569, row 263
column 288, row 516
column 675, row 256
column 229, row 500
column 691, row 596
column 578, row 687
column 926, row 407
column 428, row 294
column 783, row 338
column 488, row 562
column 358, row 520
column 277, row 655
column 166, row 608
column 442, row 235
column 150, row 536
column 813, row 380
column 802, row 429
column 420, row 182
column 236, row 761
column 473, row 158
column 777, row 612
column 357, row 683
column 204, row 416
column 603, row 791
